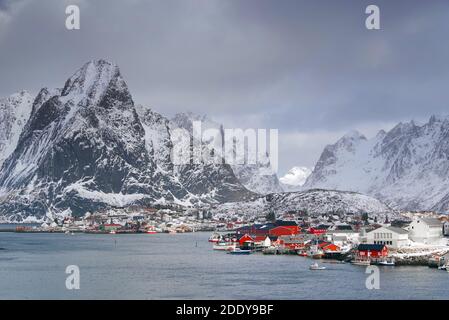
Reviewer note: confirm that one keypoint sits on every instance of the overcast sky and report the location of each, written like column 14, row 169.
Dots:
column 309, row 68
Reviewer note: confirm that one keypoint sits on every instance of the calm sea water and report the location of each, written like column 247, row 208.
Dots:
column 183, row 266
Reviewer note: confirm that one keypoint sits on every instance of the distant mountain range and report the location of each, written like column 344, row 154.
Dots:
column 87, row 146
column 406, row 167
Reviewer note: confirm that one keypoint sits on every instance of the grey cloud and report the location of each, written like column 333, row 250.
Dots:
column 300, row 66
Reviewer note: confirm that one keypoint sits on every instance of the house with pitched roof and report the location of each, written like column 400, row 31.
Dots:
column 425, row 230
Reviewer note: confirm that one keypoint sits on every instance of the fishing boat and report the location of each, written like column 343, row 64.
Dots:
column 215, row 238
column 315, row 266
column 361, row 262
column 223, row 246
column 315, row 253
column 444, row 267
column 239, row 251
column 302, row 253
column 387, row 262
column 151, row 230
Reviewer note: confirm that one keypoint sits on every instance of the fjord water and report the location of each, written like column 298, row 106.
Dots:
column 184, row 266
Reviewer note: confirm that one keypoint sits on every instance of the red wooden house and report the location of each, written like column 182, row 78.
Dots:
column 290, row 242
column 282, row 231
column 372, row 250
column 245, row 239
column 292, row 225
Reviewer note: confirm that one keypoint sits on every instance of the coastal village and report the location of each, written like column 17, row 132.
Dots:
column 422, row 239
column 418, row 238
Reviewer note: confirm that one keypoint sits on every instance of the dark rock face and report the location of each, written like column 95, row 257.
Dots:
column 85, row 147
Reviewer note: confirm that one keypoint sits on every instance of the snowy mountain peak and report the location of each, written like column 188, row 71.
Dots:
column 295, row 178
column 353, row 135
column 407, row 167
column 87, row 147
column 92, row 80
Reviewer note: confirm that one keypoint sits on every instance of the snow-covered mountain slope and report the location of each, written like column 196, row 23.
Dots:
column 202, row 182
column 407, row 167
column 313, row 202
column 14, row 114
column 257, row 177
column 86, row 147
column 295, row 178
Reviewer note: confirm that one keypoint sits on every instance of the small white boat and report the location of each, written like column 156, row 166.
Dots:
column 224, row 246
column 387, row 262
column 315, row 266
column 361, row 262
column 239, row 251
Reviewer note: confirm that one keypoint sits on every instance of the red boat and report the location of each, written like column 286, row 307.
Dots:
column 215, row 238
column 302, row 253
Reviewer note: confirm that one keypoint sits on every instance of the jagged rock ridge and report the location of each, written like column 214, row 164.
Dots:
column 407, row 167
column 86, row 147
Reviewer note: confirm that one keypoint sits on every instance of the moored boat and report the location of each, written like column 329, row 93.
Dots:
column 215, row 238
column 315, row 253
column 151, row 230
column 239, row 251
column 302, row 253
column 361, row 262
column 387, row 262
column 315, row 266
column 224, row 246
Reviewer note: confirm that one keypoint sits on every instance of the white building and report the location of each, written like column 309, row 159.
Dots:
column 267, row 242
column 341, row 237
column 390, row 236
column 425, row 230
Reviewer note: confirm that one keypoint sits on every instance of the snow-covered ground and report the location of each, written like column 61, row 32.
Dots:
column 416, row 249
column 313, row 202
